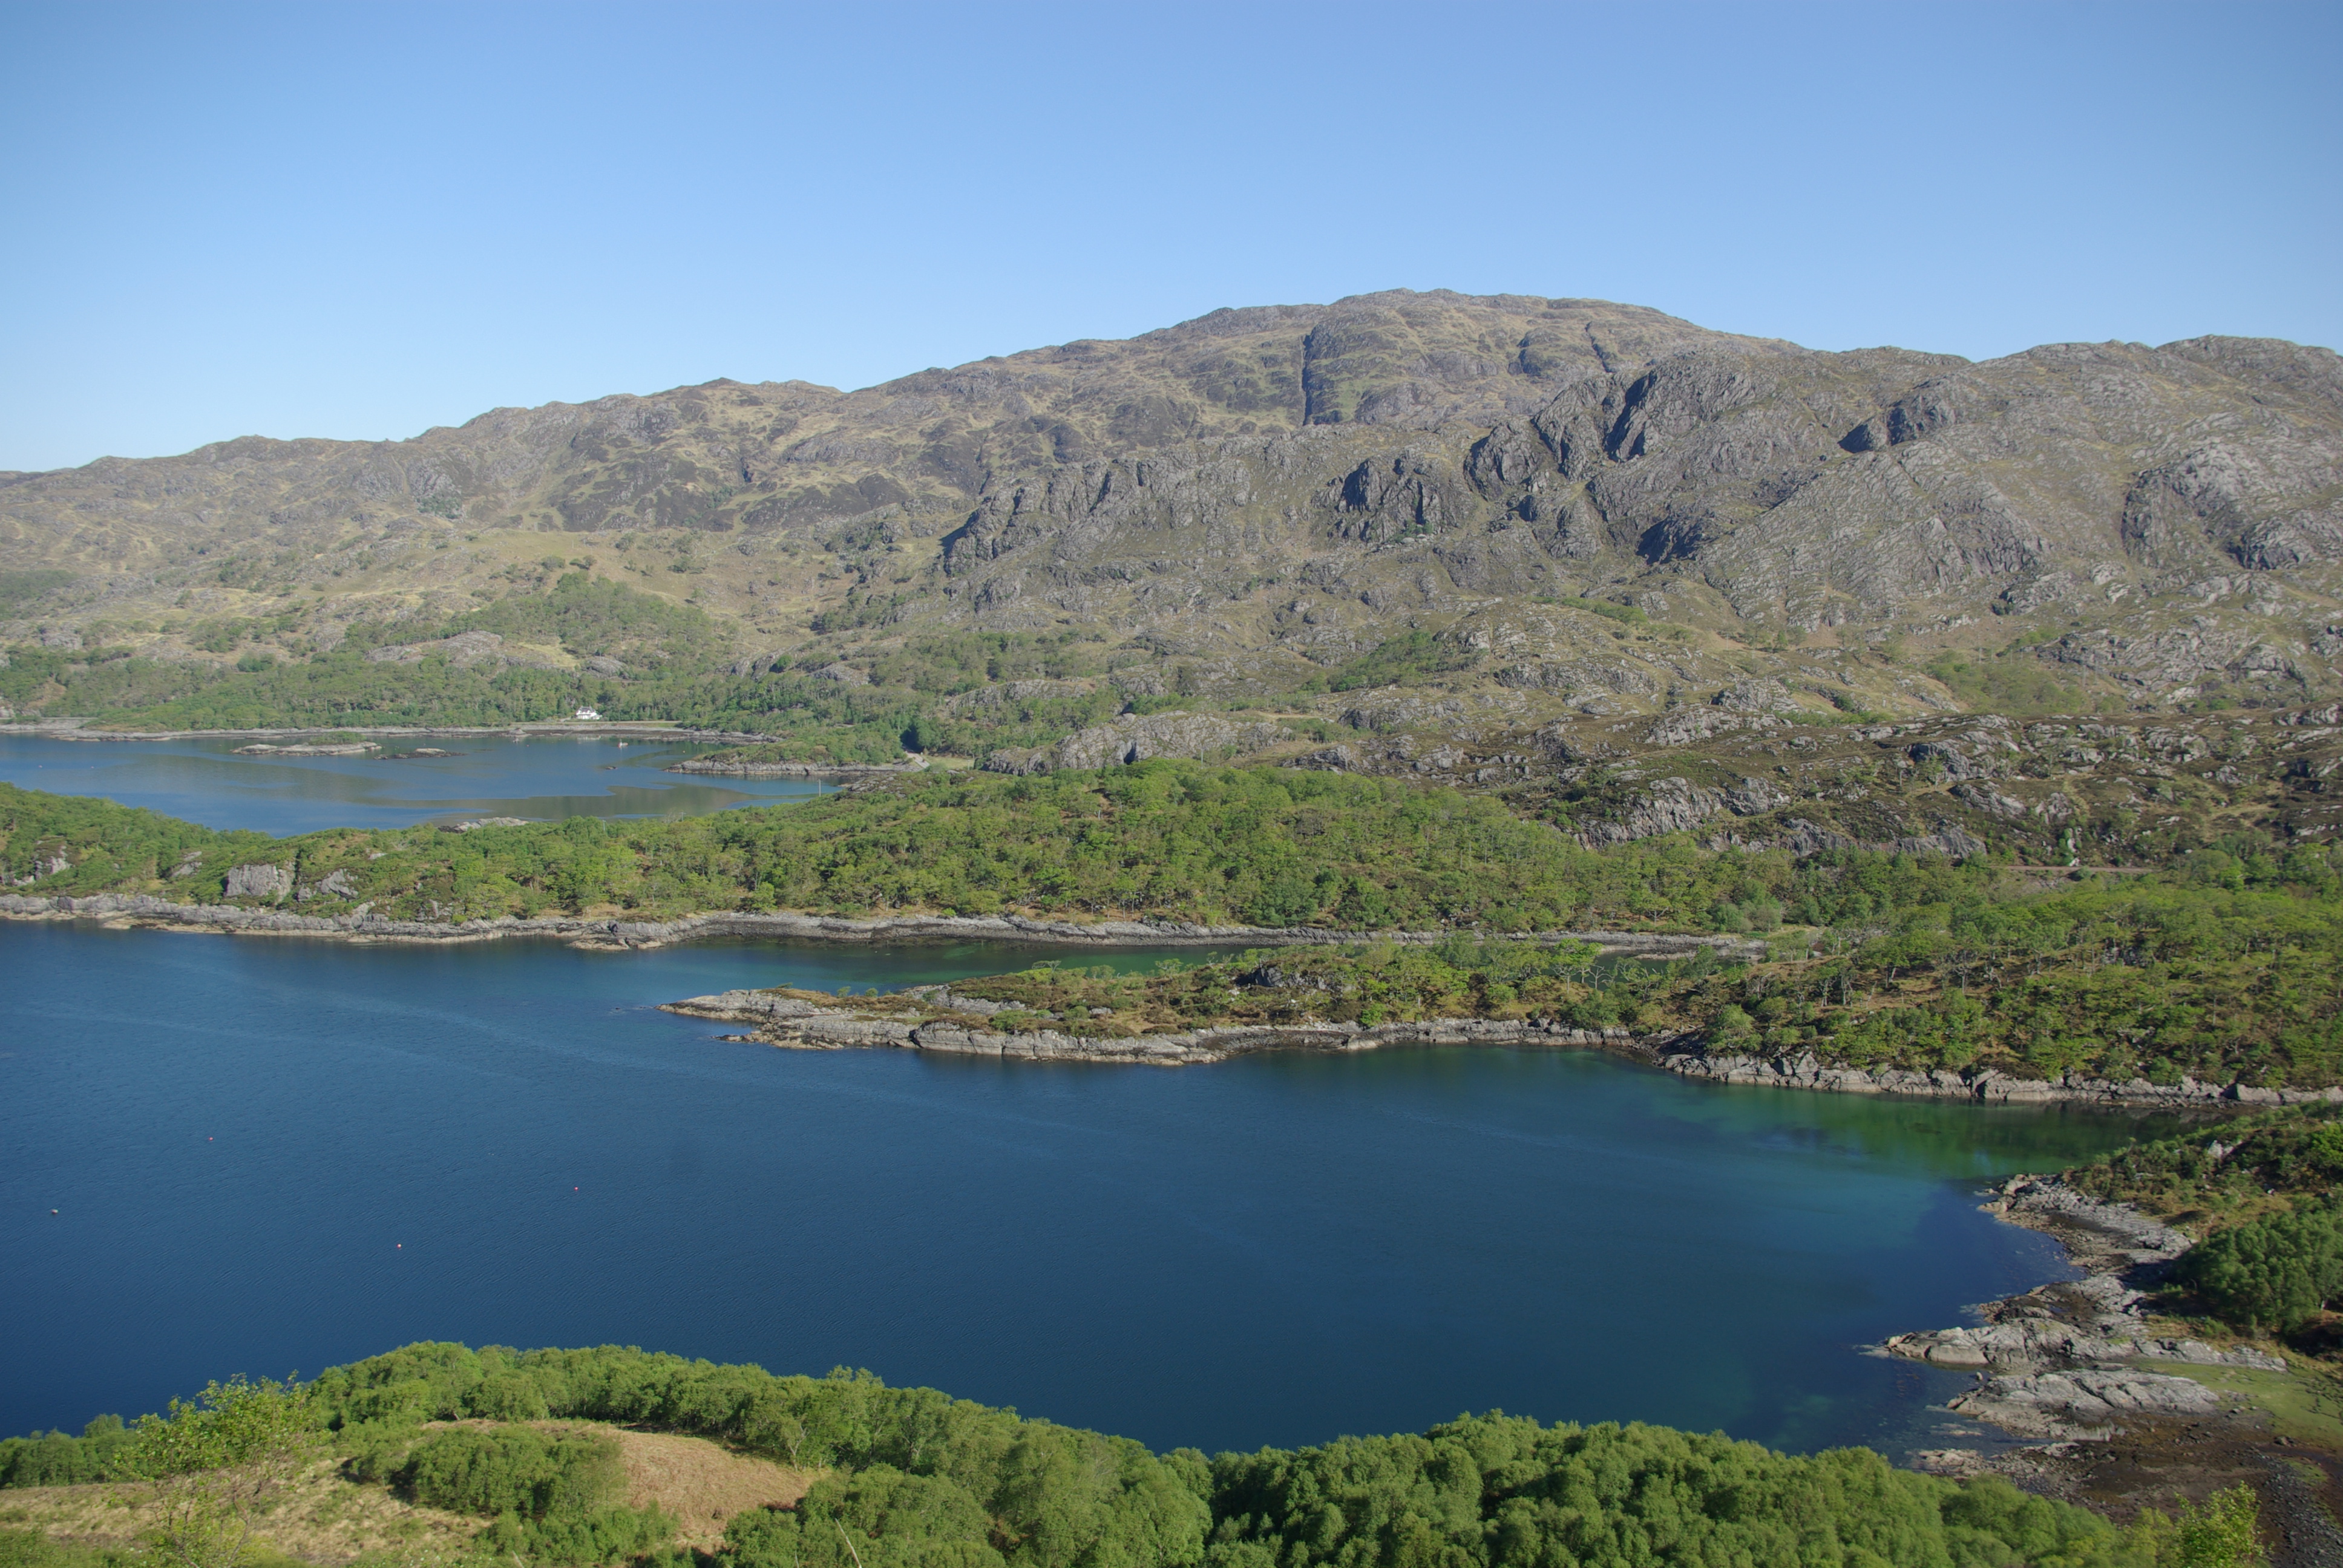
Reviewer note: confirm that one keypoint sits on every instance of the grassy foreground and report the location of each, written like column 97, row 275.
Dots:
column 911, row 1476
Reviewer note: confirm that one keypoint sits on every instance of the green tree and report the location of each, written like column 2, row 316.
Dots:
column 2278, row 1272
column 2219, row 1532
column 218, row 1462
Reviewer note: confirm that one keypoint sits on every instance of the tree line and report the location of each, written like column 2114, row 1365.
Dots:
column 2225, row 966
column 911, row 1478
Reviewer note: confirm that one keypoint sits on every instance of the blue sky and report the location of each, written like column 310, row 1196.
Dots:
column 361, row 220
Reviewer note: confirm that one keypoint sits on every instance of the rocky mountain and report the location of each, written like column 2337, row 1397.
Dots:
column 1573, row 507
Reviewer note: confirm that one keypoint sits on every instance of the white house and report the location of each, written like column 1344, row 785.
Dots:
column 589, row 713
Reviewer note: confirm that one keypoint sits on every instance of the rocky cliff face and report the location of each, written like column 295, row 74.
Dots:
column 1270, row 493
column 2113, row 492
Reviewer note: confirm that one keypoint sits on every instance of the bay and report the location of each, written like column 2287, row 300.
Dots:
column 271, row 1155
column 539, row 779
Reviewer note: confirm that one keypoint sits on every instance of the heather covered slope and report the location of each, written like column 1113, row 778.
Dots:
column 1253, row 501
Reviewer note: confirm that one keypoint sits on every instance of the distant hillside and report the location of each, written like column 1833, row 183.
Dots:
column 1252, row 503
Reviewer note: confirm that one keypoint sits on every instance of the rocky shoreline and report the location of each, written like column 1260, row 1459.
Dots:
column 2110, row 1410
column 792, row 1023
column 1682, row 1054
column 604, row 934
column 2061, row 1361
column 724, row 768
column 1987, row 1086
column 2109, row 1413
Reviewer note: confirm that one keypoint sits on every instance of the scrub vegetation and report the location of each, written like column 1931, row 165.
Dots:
column 913, row 1477
column 2223, row 966
column 573, row 640
column 2259, row 1192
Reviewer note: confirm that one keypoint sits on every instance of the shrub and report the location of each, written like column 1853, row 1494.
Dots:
column 2278, row 1272
column 515, row 1469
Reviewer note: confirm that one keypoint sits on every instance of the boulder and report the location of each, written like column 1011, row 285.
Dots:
column 1134, row 739
column 259, row 882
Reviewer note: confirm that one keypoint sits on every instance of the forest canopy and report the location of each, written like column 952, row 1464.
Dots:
column 913, row 1477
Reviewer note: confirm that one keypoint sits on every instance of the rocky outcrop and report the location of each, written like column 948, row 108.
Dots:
column 343, row 748
column 335, row 884
column 1134, row 739
column 144, row 909
column 792, row 1021
column 259, row 882
column 464, row 650
column 2057, row 1361
column 1987, row 1085
column 1012, row 693
column 50, row 865
column 2086, row 1404
column 1677, row 804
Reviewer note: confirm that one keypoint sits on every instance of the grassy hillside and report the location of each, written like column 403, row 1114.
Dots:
column 904, row 1477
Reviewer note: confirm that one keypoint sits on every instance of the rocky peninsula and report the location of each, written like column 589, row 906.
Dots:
column 2070, row 1360
column 941, row 1018
column 126, row 910
column 937, row 1019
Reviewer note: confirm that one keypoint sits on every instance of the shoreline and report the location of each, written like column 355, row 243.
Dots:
column 73, row 729
column 703, row 766
column 1807, row 1071
column 2110, row 1407
column 792, row 1024
column 789, row 1024
column 526, row 730
column 602, row 934
column 606, row 934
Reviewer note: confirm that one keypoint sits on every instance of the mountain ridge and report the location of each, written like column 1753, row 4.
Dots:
column 1268, row 492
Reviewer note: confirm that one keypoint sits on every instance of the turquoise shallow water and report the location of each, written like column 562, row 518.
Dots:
column 273, row 1155
column 269, row 1155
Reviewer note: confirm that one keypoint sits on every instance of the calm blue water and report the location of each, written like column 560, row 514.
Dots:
column 271, row 1155
column 277, row 1155
column 541, row 779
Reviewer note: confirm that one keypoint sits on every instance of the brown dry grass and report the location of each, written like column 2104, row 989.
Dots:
column 323, row 1518
column 702, row 1483
column 320, row 1518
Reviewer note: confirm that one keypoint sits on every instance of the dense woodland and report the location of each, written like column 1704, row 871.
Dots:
column 911, row 1478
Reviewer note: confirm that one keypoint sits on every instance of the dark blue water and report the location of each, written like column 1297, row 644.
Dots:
column 544, row 778
column 271, row 1155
